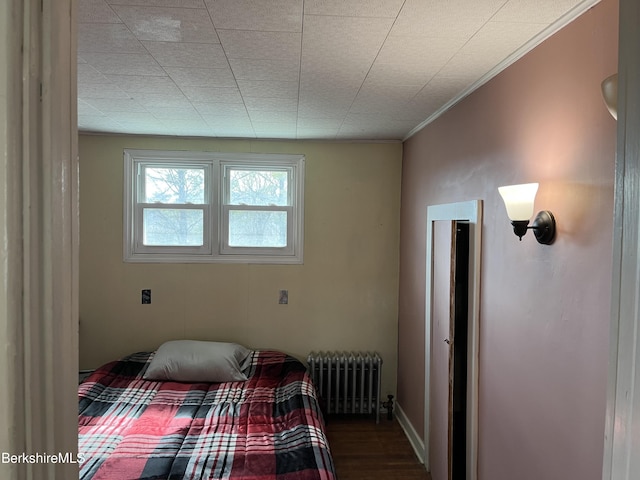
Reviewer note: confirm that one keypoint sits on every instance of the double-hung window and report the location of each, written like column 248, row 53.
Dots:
column 213, row 207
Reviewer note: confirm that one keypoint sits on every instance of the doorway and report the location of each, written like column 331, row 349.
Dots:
column 451, row 343
column 459, row 336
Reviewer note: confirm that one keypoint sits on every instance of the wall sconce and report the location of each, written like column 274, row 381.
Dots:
column 519, row 202
column 610, row 93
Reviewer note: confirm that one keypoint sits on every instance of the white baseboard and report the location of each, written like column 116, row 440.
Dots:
column 414, row 439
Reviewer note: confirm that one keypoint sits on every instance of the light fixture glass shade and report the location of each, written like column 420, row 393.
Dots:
column 519, row 200
column 610, row 94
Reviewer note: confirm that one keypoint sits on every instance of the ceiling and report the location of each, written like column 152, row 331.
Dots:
column 295, row 69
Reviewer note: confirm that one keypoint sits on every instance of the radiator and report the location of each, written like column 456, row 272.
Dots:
column 347, row 382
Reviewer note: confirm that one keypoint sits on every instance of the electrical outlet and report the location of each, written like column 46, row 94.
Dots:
column 283, row 297
column 146, row 297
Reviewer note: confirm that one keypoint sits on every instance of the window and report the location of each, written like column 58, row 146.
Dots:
column 213, row 207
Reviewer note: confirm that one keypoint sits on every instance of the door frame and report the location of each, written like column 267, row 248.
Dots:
column 40, row 231
column 470, row 212
column 622, row 419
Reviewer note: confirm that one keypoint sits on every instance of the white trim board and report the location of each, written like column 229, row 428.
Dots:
column 471, row 212
column 414, row 438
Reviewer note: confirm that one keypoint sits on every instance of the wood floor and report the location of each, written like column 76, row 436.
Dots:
column 363, row 450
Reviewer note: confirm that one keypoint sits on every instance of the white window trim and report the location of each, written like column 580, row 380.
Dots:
column 219, row 251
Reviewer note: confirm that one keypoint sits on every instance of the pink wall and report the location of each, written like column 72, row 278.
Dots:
column 544, row 309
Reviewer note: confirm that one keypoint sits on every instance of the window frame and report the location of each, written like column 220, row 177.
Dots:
column 216, row 225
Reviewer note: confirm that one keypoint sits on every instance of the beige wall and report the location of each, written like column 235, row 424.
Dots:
column 344, row 297
column 544, row 320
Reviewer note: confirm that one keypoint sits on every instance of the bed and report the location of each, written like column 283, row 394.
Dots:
column 266, row 427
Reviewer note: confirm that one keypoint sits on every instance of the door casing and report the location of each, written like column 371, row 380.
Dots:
column 470, row 212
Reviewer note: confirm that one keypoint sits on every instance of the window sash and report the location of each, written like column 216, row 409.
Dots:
column 227, row 208
column 170, row 160
column 204, row 249
column 227, row 249
column 229, row 167
column 143, row 166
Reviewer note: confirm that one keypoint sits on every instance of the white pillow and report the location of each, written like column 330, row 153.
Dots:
column 197, row 361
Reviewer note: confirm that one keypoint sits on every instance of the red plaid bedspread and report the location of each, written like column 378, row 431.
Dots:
column 269, row 427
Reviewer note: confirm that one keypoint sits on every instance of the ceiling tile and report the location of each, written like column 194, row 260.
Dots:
column 107, row 37
column 125, row 64
column 321, row 90
column 466, row 66
column 187, row 127
column 254, row 104
column 275, row 130
column 107, row 105
column 269, row 89
column 268, row 69
column 174, row 54
column 213, row 94
column 365, row 120
column 87, row 75
column 328, row 73
column 96, row 11
column 145, row 125
column 101, row 90
column 160, row 3
column 354, row 8
column 201, row 77
column 379, row 132
column 145, row 84
column 400, row 74
column 168, row 24
column 260, row 45
column 174, row 113
column 383, row 99
column 265, row 116
column 98, row 123
column 419, row 50
column 154, row 99
column 226, row 110
column 320, row 123
column 219, row 121
column 356, row 38
column 316, row 133
column 540, row 11
column 143, row 117
column 232, row 131
column 439, row 91
column 274, row 15
column 497, row 40
column 450, row 19
column 323, row 110
column 84, row 109
column 337, row 53
column 326, row 99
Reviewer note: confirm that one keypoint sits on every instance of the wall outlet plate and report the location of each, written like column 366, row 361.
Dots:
column 146, row 297
column 283, row 297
